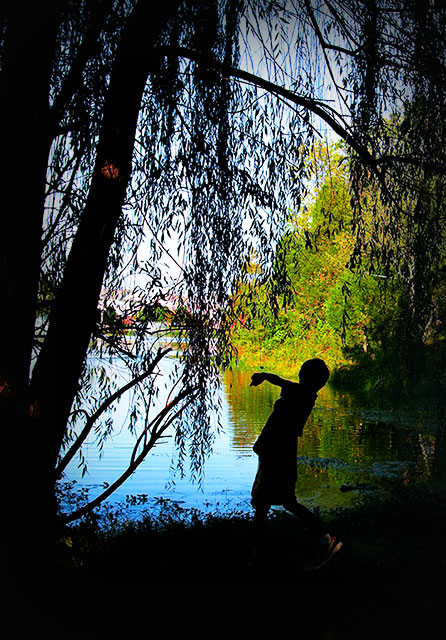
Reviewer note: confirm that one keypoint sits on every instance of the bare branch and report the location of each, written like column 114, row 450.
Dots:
column 103, row 407
column 135, row 461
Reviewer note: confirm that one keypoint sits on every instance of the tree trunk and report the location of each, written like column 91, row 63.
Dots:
column 28, row 55
column 27, row 58
column 74, row 312
column 57, row 372
column 35, row 417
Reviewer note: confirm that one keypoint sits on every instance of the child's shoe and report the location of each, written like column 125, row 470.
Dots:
column 327, row 553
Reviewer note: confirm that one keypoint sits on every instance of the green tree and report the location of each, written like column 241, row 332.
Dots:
column 325, row 308
column 311, row 266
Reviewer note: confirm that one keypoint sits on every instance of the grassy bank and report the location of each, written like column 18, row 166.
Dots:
column 387, row 581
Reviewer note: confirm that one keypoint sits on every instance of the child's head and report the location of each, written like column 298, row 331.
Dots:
column 314, row 373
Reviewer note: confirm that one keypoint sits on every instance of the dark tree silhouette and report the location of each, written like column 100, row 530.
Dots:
column 122, row 126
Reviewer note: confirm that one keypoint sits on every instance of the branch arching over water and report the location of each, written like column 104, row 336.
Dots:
column 103, row 407
column 135, row 461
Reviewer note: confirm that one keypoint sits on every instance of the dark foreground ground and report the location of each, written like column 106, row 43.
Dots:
column 387, row 582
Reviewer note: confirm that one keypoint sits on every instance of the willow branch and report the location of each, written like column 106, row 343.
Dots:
column 152, row 427
column 86, row 49
column 135, row 461
column 103, row 407
column 314, row 106
column 411, row 160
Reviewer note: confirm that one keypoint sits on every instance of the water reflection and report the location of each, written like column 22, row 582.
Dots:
column 346, row 451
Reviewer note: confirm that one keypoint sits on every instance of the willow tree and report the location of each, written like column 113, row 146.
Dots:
column 401, row 119
column 122, row 125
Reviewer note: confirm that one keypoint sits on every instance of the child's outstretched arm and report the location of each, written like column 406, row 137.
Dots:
column 272, row 378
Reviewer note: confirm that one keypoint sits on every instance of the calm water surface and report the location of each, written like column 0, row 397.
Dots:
column 346, row 452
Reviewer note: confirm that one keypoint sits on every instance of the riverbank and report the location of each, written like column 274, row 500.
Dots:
column 387, row 581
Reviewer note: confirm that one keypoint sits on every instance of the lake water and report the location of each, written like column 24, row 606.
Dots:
column 346, row 452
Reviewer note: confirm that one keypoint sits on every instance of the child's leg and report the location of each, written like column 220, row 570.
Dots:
column 308, row 518
column 260, row 513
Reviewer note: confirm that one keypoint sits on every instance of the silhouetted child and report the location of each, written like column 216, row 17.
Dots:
column 276, row 447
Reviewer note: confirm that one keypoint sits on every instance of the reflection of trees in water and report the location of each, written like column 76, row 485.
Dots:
column 248, row 407
column 340, row 438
